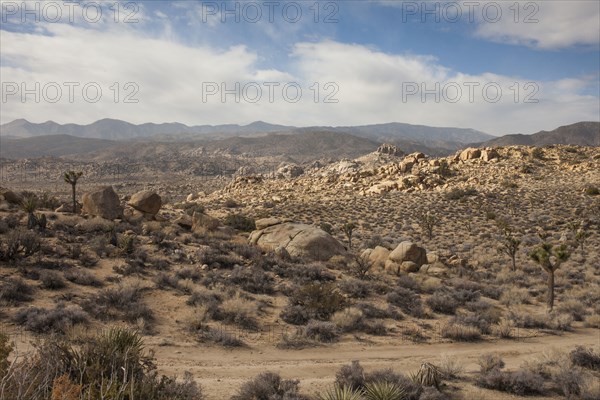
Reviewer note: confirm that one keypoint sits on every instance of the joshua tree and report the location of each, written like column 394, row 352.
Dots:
column 348, row 229
column 550, row 258
column 510, row 244
column 71, row 177
column 427, row 221
column 580, row 233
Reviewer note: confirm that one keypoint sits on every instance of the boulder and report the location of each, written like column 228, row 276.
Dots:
column 390, row 149
column 470, row 154
column 489, row 154
column 102, row 202
column 289, row 171
column 184, row 221
column 146, row 201
column 404, row 252
column 203, row 222
column 266, row 222
column 300, row 240
column 378, row 257
column 10, row 196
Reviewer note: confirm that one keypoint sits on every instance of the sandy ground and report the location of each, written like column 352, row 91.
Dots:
column 221, row 371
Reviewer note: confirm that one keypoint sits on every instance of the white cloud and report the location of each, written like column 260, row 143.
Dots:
column 170, row 78
column 541, row 24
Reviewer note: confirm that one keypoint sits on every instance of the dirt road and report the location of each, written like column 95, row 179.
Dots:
column 221, row 371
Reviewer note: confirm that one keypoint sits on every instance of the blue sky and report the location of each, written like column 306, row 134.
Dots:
column 374, row 52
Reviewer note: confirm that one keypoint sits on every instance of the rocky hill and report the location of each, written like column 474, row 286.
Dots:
column 580, row 134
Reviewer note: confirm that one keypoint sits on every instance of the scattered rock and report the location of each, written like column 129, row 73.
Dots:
column 470, row 154
column 289, row 171
column 146, row 201
column 406, row 251
column 10, row 196
column 203, row 222
column 102, row 202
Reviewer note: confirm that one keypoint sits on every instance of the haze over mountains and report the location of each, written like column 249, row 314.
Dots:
column 108, row 138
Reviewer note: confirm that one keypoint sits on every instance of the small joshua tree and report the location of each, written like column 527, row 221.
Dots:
column 71, row 177
column 580, row 234
column 550, row 259
column 510, row 243
column 348, row 229
column 428, row 221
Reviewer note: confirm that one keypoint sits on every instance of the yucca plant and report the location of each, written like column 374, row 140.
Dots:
column 384, row 391
column 29, row 205
column 428, row 375
column 341, row 393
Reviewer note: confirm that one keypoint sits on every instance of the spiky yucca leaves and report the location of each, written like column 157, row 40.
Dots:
column 384, row 391
column 341, row 393
column 428, row 375
column 29, row 205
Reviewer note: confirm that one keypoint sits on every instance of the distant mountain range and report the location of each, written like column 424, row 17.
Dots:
column 581, row 133
column 109, row 138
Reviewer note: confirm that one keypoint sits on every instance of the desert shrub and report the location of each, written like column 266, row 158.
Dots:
column 370, row 311
column 450, row 368
column 586, row 358
column 192, row 273
column 222, row 337
column 355, row 288
column 42, row 320
column 6, row 347
column 15, row 290
column 240, row 222
column 319, row 300
column 561, row 322
column 165, row 281
column 407, row 300
column 82, row 277
column 322, row 331
column 351, row 376
column 112, row 363
column 269, row 386
column 206, row 298
column 252, row 280
column 475, row 320
column 519, row 382
column 19, row 243
column 569, row 381
column 348, row 319
column 592, row 190
column 119, row 302
column 460, row 333
column 431, row 393
column 408, row 282
column 442, row 302
column 574, row 308
column 303, row 274
column 238, row 311
column 489, row 362
column 295, row 314
column 52, row 280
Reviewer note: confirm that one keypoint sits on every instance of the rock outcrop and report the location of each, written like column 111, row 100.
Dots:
column 102, row 202
column 299, row 240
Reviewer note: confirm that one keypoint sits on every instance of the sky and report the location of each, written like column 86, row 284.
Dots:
column 500, row 67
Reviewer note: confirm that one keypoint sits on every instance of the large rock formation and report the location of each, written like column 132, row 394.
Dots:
column 102, row 202
column 406, row 257
column 146, row 201
column 299, row 240
column 289, row 171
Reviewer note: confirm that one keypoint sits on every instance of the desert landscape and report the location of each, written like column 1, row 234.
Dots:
column 409, row 275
